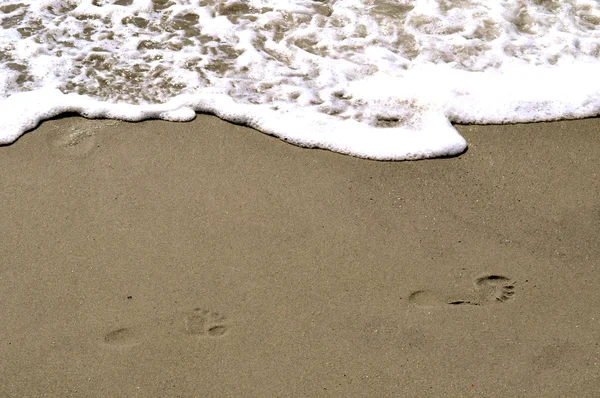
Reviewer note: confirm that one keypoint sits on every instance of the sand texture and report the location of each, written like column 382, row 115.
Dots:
column 205, row 259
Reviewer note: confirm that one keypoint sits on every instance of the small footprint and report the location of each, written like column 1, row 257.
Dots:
column 73, row 141
column 201, row 322
column 76, row 137
column 487, row 289
column 123, row 337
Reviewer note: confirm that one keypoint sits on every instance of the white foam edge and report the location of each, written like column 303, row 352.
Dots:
column 523, row 94
column 24, row 111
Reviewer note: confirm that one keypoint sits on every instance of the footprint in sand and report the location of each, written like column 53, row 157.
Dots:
column 76, row 137
column 487, row 289
column 197, row 322
column 122, row 337
column 201, row 322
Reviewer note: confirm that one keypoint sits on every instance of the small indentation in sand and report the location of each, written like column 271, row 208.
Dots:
column 425, row 298
column 123, row 337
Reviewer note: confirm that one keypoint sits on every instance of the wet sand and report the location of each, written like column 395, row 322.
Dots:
column 207, row 259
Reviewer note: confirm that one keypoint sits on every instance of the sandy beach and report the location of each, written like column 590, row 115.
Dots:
column 205, row 259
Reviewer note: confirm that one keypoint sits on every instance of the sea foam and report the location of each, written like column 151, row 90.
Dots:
column 372, row 78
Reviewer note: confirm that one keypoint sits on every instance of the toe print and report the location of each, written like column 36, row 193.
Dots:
column 201, row 322
column 495, row 288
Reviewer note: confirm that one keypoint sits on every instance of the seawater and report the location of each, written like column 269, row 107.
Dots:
column 380, row 79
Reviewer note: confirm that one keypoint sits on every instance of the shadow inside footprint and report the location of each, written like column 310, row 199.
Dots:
column 218, row 330
column 487, row 289
column 201, row 322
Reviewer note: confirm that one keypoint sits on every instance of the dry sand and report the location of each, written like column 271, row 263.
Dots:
column 160, row 259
